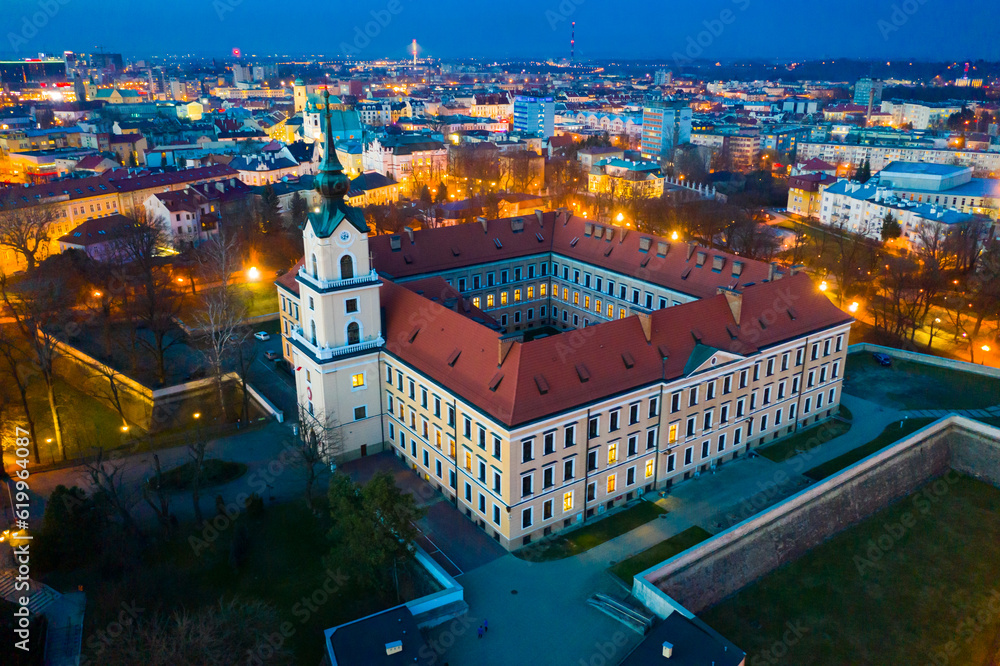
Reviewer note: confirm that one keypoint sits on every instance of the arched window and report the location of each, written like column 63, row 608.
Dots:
column 315, row 272
column 312, row 326
column 353, row 333
column 346, row 267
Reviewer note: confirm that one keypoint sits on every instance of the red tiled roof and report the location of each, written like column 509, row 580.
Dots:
column 97, row 230
column 810, row 182
column 288, row 280
column 546, row 376
column 816, row 164
column 438, row 290
column 460, row 245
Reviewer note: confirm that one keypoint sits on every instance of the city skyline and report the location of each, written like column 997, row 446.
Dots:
column 721, row 30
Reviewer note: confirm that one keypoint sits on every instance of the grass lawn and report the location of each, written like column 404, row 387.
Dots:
column 892, row 432
column 263, row 298
column 882, row 592
column 627, row 569
column 214, row 472
column 594, row 533
column 283, row 567
column 804, row 440
column 86, row 421
column 910, row 385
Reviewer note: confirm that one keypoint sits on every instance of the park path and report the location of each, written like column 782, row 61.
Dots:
column 259, row 449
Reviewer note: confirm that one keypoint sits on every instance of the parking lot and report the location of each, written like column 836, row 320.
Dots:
column 273, row 378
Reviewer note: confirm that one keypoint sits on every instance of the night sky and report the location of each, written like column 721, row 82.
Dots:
column 657, row 29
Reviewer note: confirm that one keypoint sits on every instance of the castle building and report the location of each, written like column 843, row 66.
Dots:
column 542, row 369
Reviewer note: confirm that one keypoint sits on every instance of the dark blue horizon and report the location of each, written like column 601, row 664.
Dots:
column 713, row 29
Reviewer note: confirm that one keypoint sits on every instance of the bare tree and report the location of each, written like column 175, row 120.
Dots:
column 36, row 310
column 155, row 301
column 224, row 309
column 17, row 362
column 153, row 489
column 196, row 451
column 210, row 636
column 521, row 171
column 320, row 442
column 108, row 478
column 108, row 386
column 564, row 178
column 24, row 226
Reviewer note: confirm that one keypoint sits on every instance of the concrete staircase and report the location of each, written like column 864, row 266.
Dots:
column 631, row 617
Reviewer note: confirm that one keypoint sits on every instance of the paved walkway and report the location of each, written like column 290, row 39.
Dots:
column 547, row 620
column 268, row 474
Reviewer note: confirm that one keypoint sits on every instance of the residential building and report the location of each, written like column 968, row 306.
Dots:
column 625, row 178
column 534, row 115
column 665, row 125
column 868, row 93
column 879, row 155
column 805, row 193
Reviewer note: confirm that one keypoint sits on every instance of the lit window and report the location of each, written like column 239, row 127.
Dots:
column 612, row 453
column 503, row 298
column 576, row 298
column 541, row 289
column 517, row 295
column 611, row 484
column 649, row 468
column 568, row 501
column 565, row 294
column 611, row 310
column 489, row 300
column 475, row 301
column 621, row 313
column 468, row 461
column 531, row 293
column 672, row 435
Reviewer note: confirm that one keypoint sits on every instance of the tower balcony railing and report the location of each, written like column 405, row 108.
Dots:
column 320, row 283
column 325, row 353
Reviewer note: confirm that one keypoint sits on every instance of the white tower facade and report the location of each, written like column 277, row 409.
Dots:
column 336, row 350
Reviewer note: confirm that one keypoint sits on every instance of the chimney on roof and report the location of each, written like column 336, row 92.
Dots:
column 772, row 271
column 796, row 269
column 734, row 299
column 482, row 221
column 538, row 215
column 646, row 321
column 690, row 249
column 409, row 232
column 505, row 344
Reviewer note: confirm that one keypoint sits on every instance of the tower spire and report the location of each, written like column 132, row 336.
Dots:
column 332, row 184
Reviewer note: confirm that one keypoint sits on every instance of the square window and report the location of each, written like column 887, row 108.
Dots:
column 358, row 380
column 351, row 305
column 360, row 413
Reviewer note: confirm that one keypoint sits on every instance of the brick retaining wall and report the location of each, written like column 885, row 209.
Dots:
column 704, row 575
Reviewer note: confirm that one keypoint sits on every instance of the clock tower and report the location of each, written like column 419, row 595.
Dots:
column 336, row 349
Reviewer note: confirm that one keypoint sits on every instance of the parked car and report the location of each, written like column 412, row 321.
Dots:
column 262, row 336
column 271, row 355
column 882, row 359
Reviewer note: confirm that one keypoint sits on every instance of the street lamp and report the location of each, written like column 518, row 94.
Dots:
column 853, row 307
column 620, row 217
column 253, row 274
column 822, row 285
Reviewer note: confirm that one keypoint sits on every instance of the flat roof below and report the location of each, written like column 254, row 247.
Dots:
column 363, row 642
